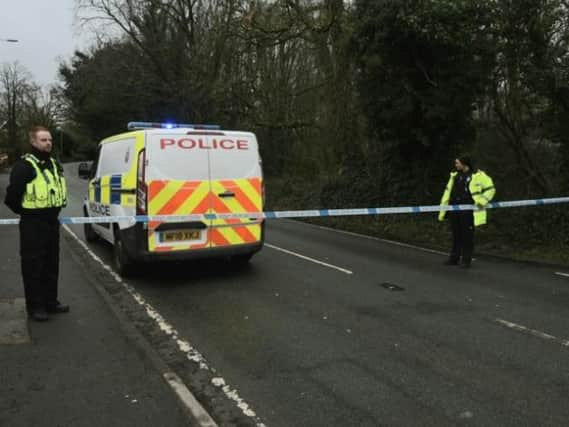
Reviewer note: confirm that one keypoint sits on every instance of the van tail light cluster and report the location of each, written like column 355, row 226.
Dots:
column 141, row 187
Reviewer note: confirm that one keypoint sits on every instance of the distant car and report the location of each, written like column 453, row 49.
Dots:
column 165, row 169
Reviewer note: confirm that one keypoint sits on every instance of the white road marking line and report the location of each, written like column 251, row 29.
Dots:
column 533, row 332
column 183, row 345
column 325, row 264
column 562, row 274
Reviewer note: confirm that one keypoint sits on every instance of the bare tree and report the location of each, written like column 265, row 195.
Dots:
column 15, row 88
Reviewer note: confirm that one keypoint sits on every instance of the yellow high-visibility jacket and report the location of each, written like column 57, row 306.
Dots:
column 47, row 190
column 482, row 191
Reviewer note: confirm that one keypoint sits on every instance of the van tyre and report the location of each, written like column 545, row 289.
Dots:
column 89, row 232
column 123, row 262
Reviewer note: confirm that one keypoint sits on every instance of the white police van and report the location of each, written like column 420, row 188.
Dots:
column 176, row 169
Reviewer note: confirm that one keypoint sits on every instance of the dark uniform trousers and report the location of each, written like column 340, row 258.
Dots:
column 39, row 251
column 462, row 227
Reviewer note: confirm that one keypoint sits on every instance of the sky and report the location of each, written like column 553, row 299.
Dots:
column 46, row 33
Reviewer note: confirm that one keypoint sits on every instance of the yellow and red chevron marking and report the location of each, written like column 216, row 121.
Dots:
column 200, row 197
column 176, row 198
column 235, row 235
column 247, row 198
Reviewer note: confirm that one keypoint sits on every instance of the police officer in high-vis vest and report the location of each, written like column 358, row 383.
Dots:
column 466, row 186
column 37, row 192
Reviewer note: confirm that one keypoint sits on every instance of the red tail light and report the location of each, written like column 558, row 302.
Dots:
column 141, row 188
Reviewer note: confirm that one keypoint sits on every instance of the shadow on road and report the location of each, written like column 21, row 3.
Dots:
column 172, row 274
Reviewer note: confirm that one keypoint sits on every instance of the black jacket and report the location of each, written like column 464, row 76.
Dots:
column 460, row 190
column 23, row 173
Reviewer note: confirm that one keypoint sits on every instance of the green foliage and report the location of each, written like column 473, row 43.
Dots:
column 529, row 95
column 423, row 64
column 108, row 88
column 355, row 103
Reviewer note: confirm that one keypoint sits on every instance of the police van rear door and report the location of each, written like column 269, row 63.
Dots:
column 236, row 187
column 177, row 179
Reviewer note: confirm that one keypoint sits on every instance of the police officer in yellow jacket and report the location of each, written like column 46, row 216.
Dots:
column 469, row 186
column 37, row 192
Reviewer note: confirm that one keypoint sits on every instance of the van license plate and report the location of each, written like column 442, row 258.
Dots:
column 180, row 236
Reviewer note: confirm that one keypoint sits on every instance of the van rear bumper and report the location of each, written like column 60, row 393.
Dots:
column 135, row 242
column 200, row 253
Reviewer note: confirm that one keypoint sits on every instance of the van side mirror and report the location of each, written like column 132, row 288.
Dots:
column 84, row 170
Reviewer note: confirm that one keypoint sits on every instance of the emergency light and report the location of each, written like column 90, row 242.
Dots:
column 150, row 125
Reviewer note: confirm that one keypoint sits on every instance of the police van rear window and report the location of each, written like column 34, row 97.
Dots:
column 116, row 157
column 184, row 156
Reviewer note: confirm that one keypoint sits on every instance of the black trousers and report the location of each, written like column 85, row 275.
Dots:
column 462, row 227
column 39, row 252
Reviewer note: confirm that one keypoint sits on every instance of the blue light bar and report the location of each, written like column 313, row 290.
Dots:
column 150, row 125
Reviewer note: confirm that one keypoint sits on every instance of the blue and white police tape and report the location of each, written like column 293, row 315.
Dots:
column 299, row 213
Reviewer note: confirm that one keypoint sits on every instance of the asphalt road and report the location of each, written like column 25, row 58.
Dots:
column 81, row 368
column 401, row 341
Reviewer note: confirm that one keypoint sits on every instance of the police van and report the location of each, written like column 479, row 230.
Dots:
column 176, row 169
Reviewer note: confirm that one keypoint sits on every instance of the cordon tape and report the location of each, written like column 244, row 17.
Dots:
column 300, row 213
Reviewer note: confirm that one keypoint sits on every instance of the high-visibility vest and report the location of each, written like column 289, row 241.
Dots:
column 482, row 191
column 47, row 189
